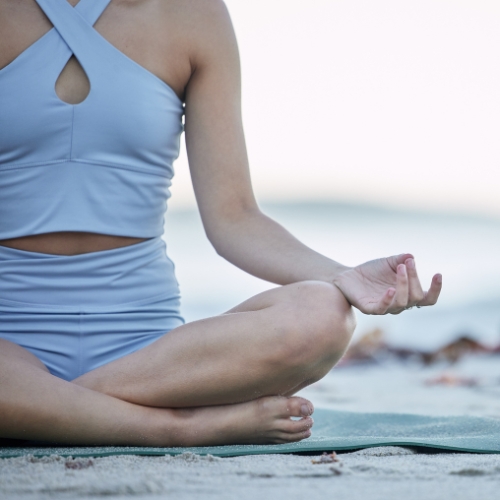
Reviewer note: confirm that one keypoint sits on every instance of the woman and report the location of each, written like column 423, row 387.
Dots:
column 93, row 349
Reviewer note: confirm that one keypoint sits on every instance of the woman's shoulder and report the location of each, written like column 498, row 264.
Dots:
column 194, row 13
column 208, row 29
column 199, row 17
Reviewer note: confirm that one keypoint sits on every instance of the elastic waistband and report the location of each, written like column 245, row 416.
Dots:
column 88, row 282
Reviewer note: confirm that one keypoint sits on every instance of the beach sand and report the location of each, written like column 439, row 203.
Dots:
column 372, row 474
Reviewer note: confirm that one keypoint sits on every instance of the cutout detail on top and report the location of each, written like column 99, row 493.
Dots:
column 72, row 85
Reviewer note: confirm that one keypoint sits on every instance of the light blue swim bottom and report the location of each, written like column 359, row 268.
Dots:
column 76, row 313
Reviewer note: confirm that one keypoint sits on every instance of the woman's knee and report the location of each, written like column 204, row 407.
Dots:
column 316, row 324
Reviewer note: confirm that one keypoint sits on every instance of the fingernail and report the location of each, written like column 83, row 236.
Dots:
column 306, row 411
column 410, row 263
column 392, row 292
column 439, row 279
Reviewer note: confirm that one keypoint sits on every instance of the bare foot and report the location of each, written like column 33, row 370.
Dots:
column 262, row 421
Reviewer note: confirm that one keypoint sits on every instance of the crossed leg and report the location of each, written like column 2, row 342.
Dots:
column 227, row 379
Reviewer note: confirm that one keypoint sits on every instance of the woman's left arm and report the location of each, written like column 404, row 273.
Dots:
column 233, row 222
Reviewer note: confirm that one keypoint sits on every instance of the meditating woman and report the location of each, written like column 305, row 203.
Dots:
column 93, row 347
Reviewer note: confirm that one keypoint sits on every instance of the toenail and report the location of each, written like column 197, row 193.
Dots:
column 306, row 411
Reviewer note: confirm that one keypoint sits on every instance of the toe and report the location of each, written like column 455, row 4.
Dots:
column 284, row 437
column 296, row 407
column 296, row 426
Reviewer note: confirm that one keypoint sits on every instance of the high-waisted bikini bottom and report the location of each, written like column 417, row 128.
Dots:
column 76, row 313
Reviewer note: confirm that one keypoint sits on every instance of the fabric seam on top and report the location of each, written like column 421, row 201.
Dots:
column 72, row 130
column 18, row 166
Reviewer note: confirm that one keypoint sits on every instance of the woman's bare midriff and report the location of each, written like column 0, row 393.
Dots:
column 69, row 243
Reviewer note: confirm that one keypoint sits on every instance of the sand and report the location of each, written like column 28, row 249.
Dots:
column 377, row 473
column 372, row 473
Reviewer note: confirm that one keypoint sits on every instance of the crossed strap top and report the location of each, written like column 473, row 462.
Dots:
column 101, row 166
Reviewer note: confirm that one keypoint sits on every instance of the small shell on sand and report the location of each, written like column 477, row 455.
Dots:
column 327, row 458
column 78, row 464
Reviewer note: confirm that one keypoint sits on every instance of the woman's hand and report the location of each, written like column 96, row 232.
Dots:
column 388, row 285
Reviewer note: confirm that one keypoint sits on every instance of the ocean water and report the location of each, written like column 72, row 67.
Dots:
column 465, row 249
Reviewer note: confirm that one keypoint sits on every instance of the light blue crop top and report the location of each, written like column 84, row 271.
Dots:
column 101, row 166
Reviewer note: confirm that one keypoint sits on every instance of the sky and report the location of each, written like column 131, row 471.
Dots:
column 387, row 102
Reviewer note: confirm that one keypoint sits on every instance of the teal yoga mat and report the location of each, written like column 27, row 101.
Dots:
column 333, row 431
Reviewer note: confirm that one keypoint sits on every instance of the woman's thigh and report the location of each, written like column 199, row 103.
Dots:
column 273, row 343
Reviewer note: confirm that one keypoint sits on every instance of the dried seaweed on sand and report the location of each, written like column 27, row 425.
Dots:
column 373, row 348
